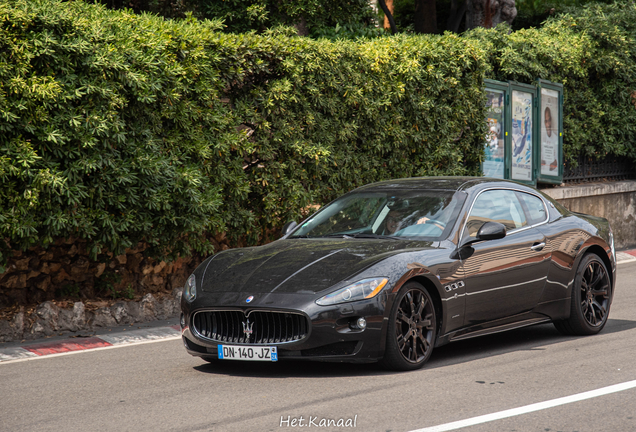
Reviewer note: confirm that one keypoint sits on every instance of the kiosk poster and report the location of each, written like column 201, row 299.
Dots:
column 521, row 136
column 493, row 164
column 549, row 132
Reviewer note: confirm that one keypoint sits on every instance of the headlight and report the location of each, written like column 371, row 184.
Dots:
column 364, row 289
column 190, row 289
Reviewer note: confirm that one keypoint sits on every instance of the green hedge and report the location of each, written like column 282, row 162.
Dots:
column 110, row 128
column 328, row 117
column 119, row 128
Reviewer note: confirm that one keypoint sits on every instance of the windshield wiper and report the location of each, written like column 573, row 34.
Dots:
column 375, row 236
column 362, row 236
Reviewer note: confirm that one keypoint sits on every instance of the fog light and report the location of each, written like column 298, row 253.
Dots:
column 182, row 321
column 362, row 323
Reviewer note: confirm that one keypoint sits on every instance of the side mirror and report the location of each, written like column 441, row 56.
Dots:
column 288, row 227
column 491, row 231
column 488, row 231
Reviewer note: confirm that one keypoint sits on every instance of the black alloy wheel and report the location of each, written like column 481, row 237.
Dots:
column 591, row 298
column 595, row 294
column 412, row 329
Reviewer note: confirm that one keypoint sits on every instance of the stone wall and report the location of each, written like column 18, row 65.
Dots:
column 615, row 201
column 58, row 317
column 50, row 291
column 65, row 270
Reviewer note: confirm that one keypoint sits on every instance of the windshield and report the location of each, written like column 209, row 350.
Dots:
column 386, row 214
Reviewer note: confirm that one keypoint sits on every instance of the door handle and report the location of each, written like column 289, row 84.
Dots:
column 538, row 246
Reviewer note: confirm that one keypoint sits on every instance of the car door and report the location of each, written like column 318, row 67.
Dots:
column 503, row 277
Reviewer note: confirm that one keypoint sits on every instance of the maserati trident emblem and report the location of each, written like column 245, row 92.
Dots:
column 247, row 328
column 249, row 299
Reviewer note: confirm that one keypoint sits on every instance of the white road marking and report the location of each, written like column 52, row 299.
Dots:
column 529, row 408
column 91, row 350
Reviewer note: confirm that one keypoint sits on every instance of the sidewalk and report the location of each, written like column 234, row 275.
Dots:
column 129, row 335
column 107, row 339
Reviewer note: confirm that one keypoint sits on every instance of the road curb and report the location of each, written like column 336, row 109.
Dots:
column 134, row 337
column 625, row 256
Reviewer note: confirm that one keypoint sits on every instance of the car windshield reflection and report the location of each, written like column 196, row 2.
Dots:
column 394, row 214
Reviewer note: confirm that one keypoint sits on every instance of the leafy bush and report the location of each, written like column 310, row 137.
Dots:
column 328, row 117
column 118, row 128
column 112, row 129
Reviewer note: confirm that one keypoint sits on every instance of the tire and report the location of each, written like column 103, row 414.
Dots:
column 412, row 329
column 591, row 297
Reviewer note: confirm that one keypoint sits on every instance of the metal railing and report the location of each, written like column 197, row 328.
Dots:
column 589, row 169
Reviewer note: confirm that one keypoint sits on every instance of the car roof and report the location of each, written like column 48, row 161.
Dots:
column 438, row 183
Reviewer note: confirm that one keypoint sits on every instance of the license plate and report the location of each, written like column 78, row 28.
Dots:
column 235, row 352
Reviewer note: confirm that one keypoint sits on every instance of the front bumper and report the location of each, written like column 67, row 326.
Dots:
column 332, row 335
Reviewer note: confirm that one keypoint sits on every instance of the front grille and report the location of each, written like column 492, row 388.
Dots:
column 267, row 327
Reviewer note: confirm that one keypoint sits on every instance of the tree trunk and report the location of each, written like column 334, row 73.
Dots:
column 489, row 13
column 389, row 22
column 301, row 27
column 458, row 9
column 425, row 16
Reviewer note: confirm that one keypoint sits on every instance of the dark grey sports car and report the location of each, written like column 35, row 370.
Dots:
column 393, row 269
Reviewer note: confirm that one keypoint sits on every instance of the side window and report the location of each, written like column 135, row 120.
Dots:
column 501, row 206
column 536, row 211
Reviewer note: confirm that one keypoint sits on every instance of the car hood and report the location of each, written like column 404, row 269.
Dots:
column 298, row 265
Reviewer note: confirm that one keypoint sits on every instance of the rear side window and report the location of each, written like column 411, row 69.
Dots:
column 501, row 206
column 535, row 209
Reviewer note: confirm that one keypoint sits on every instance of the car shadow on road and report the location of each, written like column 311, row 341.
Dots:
column 291, row 369
column 524, row 339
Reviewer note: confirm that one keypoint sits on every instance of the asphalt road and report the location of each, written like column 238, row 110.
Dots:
column 158, row 387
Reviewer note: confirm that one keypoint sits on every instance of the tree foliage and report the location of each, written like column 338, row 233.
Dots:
column 317, row 18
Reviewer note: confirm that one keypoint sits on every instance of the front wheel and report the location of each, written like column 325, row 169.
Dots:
column 412, row 329
column 591, row 295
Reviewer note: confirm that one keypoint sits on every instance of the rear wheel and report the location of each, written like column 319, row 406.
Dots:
column 412, row 329
column 591, row 296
